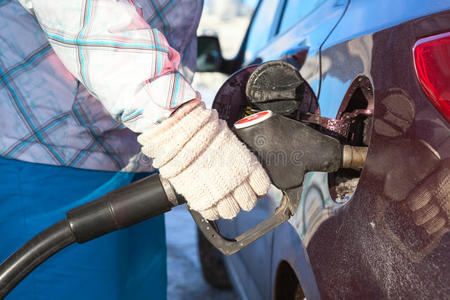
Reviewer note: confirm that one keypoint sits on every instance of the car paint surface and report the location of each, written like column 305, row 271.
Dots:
column 368, row 247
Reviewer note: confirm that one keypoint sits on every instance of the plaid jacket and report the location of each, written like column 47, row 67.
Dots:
column 79, row 78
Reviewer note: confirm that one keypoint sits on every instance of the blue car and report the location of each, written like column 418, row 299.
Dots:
column 381, row 70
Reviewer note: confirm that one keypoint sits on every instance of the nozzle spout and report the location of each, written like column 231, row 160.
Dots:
column 353, row 157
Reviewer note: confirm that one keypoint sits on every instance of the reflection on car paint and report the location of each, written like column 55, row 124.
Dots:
column 417, row 224
column 414, row 210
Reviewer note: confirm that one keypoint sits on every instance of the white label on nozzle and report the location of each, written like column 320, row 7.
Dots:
column 253, row 119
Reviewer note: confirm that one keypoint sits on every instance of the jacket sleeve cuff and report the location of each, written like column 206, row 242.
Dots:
column 164, row 95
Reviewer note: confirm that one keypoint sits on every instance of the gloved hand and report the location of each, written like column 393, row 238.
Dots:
column 205, row 162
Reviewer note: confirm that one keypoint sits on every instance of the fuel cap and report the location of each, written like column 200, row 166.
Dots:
column 253, row 119
column 276, row 85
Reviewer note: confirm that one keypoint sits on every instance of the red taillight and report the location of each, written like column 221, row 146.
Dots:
column 432, row 61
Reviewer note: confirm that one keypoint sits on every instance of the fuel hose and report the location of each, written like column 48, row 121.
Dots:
column 129, row 205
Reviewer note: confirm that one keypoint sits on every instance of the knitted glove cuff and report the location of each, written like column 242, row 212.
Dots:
column 165, row 140
column 176, row 116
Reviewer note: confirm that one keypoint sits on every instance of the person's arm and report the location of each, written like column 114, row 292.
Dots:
column 132, row 70
column 109, row 47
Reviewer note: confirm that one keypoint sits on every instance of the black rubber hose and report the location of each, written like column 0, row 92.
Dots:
column 32, row 254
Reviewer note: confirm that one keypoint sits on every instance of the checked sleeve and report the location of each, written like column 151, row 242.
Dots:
column 121, row 60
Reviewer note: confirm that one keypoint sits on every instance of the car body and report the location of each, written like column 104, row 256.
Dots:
column 357, row 56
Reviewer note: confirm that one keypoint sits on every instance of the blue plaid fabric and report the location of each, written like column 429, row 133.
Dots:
column 48, row 116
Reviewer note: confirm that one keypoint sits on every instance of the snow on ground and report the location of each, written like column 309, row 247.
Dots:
column 185, row 280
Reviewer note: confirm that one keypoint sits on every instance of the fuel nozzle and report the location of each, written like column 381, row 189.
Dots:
column 288, row 149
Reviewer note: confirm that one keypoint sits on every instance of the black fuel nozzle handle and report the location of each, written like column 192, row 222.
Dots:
column 287, row 149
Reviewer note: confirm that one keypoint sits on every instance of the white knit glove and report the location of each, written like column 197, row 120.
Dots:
column 205, row 162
